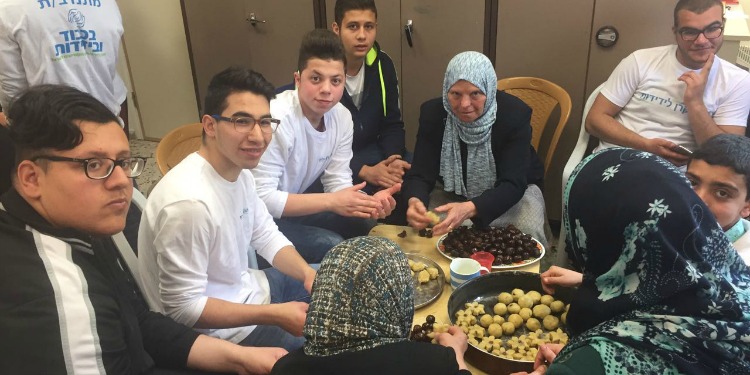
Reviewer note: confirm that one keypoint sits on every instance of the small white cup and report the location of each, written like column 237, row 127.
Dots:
column 463, row 270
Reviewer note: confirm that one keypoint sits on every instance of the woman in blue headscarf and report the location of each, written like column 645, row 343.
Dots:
column 662, row 290
column 475, row 141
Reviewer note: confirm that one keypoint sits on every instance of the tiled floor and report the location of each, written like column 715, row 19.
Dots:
column 151, row 176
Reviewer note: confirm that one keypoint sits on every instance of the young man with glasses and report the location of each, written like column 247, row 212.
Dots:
column 68, row 306
column 204, row 216
column 677, row 95
column 315, row 142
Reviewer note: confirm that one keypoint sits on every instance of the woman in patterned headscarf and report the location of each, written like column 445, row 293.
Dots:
column 360, row 318
column 663, row 291
column 477, row 142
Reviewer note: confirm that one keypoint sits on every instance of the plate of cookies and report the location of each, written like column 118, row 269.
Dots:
column 428, row 277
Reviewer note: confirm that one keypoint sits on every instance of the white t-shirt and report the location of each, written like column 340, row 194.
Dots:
column 61, row 42
column 645, row 86
column 355, row 84
column 193, row 243
column 298, row 154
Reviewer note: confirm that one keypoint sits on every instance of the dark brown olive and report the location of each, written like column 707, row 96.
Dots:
column 430, row 319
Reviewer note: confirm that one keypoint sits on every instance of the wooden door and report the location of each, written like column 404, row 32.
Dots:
column 222, row 33
column 441, row 29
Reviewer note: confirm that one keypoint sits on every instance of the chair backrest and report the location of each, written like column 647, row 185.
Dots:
column 128, row 254
column 542, row 96
column 579, row 152
column 177, row 144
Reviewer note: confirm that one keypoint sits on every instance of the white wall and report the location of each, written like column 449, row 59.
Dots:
column 157, row 57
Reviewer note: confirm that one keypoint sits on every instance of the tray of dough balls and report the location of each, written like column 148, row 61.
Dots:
column 428, row 277
column 507, row 316
column 511, row 247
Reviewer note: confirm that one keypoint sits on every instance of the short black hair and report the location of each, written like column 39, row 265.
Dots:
column 321, row 44
column 46, row 117
column 727, row 150
column 695, row 6
column 232, row 80
column 343, row 6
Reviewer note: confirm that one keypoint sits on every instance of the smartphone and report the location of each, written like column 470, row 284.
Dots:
column 682, row 150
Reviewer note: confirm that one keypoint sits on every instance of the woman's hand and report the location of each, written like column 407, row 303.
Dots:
column 456, row 213
column 455, row 338
column 416, row 214
column 555, row 276
column 546, row 355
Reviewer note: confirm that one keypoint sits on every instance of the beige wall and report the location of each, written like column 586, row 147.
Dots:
column 157, row 56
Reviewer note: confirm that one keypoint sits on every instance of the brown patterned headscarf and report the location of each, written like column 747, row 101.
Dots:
column 362, row 297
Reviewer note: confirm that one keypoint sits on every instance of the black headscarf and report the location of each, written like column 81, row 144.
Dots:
column 663, row 289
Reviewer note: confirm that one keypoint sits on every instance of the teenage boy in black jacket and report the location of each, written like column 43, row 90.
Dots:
column 371, row 96
column 66, row 303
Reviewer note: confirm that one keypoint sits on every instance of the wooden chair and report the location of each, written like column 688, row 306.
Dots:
column 542, row 96
column 177, row 144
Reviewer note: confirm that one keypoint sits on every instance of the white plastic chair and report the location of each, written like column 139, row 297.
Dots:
column 127, row 253
column 579, row 152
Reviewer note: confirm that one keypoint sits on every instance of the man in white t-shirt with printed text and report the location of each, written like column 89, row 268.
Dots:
column 667, row 98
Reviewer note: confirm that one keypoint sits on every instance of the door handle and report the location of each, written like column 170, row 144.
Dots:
column 254, row 20
column 409, row 29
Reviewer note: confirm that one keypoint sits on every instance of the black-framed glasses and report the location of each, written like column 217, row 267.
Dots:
column 690, row 34
column 244, row 124
column 101, row 168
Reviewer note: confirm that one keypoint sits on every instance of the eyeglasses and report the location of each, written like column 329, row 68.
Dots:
column 690, row 34
column 244, row 124
column 101, row 168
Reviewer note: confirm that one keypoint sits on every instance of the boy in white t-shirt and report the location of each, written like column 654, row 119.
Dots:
column 682, row 94
column 314, row 141
column 204, row 216
column 720, row 174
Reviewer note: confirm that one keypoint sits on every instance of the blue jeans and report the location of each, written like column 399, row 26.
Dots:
column 283, row 289
column 313, row 235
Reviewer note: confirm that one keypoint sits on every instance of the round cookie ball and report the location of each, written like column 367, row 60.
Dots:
column 517, row 293
column 525, row 301
column 498, row 319
column 516, row 320
column 557, row 306
column 508, row 328
column 533, row 324
column 495, row 330
column 541, row 311
column 505, row 298
column 514, row 308
column 500, row 308
column 485, row 320
column 534, row 295
column 525, row 313
column 547, row 299
column 550, row 322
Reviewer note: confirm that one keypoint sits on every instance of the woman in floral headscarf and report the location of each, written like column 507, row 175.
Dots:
column 477, row 142
column 360, row 318
column 662, row 291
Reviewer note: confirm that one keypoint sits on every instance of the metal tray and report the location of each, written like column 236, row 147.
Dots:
column 426, row 293
column 484, row 289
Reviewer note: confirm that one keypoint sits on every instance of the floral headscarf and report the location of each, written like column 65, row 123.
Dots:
column 663, row 289
column 362, row 297
column 476, row 69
